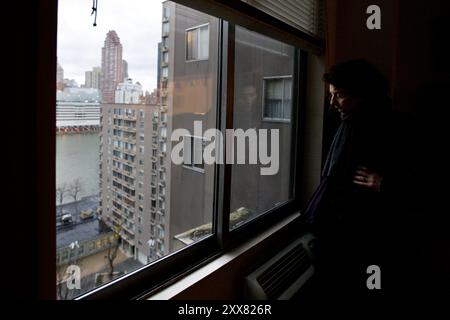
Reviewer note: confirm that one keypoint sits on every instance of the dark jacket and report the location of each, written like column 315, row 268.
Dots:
column 356, row 226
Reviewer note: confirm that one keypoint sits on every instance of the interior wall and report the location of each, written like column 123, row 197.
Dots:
column 411, row 49
column 312, row 126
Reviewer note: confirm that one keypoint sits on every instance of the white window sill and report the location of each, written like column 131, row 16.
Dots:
column 182, row 285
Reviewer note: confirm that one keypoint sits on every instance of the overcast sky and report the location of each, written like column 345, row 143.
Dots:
column 137, row 23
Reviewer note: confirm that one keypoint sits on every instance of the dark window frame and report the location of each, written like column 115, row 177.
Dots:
column 169, row 268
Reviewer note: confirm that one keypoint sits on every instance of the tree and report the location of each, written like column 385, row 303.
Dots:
column 113, row 248
column 74, row 191
column 61, row 193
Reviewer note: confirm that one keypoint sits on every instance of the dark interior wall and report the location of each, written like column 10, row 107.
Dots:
column 421, row 81
column 354, row 40
column 411, row 49
column 28, row 223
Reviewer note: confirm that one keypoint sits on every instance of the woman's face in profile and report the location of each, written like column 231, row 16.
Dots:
column 341, row 101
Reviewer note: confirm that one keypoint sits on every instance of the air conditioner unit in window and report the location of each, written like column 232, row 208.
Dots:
column 283, row 275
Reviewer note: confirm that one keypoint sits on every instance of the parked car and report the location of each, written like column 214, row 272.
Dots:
column 87, row 214
column 66, row 219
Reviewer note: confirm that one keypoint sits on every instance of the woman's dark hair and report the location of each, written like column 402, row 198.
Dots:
column 358, row 78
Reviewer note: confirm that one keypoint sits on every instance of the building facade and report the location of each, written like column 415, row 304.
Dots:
column 124, row 70
column 92, row 78
column 59, row 76
column 71, row 115
column 128, row 92
column 112, row 67
column 132, row 179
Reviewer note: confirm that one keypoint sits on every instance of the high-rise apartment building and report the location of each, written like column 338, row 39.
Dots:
column 124, row 70
column 132, row 179
column 112, row 67
column 92, row 78
column 128, row 92
column 59, row 76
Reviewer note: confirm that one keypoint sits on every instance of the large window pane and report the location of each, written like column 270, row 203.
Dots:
column 122, row 202
column 263, row 79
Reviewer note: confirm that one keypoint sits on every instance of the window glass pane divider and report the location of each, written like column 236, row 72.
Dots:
column 226, row 110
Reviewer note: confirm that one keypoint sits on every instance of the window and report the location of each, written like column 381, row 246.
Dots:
column 165, row 57
column 197, row 43
column 277, row 98
column 166, row 13
column 257, row 57
column 165, row 28
column 174, row 206
column 165, row 72
column 193, row 152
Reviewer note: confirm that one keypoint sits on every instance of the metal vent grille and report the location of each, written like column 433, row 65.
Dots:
column 284, row 274
column 278, row 277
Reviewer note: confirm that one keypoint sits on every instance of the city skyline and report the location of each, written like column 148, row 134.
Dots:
column 76, row 34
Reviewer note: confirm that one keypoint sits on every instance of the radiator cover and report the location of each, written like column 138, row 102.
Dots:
column 284, row 274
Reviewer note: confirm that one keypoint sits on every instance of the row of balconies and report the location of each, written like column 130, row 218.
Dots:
column 126, row 173
column 123, row 182
column 124, row 195
column 124, row 128
column 130, row 152
column 121, row 215
column 125, row 117
column 129, row 139
column 127, row 162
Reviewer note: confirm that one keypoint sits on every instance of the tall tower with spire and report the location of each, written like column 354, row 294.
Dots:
column 112, row 67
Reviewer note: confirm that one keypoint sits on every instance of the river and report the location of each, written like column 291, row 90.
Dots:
column 77, row 157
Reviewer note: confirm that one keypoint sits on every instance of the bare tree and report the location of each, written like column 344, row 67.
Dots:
column 113, row 248
column 61, row 287
column 61, row 193
column 74, row 191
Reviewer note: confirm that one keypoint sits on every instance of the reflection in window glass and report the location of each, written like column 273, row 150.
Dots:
column 263, row 73
column 125, row 202
column 197, row 43
column 277, row 98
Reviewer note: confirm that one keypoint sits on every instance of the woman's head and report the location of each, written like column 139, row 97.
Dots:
column 354, row 82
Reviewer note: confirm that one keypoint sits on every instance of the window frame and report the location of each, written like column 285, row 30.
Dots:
column 150, row 277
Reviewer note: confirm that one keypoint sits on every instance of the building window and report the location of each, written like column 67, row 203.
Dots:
column 197, row 43
column 165, row 72
column 165, row 42
column 277, row 98
column 193, row 148
column 165, row 28
column 166, row 13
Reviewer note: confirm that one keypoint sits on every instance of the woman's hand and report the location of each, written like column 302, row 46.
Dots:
column 368, row 179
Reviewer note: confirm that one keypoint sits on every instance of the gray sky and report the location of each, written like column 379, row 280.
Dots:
column 137, row 23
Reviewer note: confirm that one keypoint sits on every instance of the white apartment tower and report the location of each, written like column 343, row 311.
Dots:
column 128, row 92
